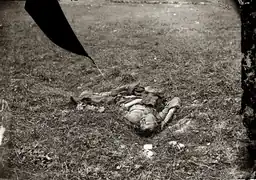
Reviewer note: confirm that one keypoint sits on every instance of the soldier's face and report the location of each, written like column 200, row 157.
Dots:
column 149, row 123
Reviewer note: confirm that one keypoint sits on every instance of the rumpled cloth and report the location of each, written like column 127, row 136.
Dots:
column 146, row 113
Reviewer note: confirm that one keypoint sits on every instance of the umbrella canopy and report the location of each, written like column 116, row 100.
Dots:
column 49, row 16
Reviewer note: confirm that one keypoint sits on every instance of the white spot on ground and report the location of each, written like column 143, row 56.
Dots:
column 122, row 146
column 177, row 5
column 176, row 145
column 148, row 153
column 147, row 150
column 2, row 130
column 148, row 146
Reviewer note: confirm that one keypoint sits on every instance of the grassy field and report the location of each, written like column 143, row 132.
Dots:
column 190, row 50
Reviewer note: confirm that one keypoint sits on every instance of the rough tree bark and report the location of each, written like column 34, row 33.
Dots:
column 248, row 66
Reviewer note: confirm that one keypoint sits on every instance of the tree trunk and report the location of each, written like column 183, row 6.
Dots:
column 248, row 66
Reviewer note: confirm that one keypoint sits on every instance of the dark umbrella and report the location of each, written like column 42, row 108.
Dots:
column 49, row 16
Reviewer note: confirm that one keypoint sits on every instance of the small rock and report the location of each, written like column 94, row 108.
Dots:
column 193, row 93
column 79, row 107
column 48, row 158
column 134, row 74
column 148, row 146
column 180, row 146
column 228, row 99
column 174, row 14
column 205, row 101
column 173, row 143
column 187, row 63
column 195, row 105
column 148, row 153
column 176, row 144
column 2, row 130
column 147, row 150
column 237, row 100
column 118, row 167
column 215, row 161
column 196, row 131
column 101, row 109
column 137, row 166
column 196, row 22
column 196, row 102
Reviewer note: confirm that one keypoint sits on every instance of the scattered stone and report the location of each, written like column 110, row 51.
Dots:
column 173, row 143
column 79, row 107
column 215, row 161
column 180, row 146
column 48, row 158
column 148, row 146
column 101, row 109
column 2, row 130
column 177, row 145
column 193, row 93
column 148, row 153
column 237, row 100
column 122, row 146
column 137, row 166
column 177, row 5
column 147, row 150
